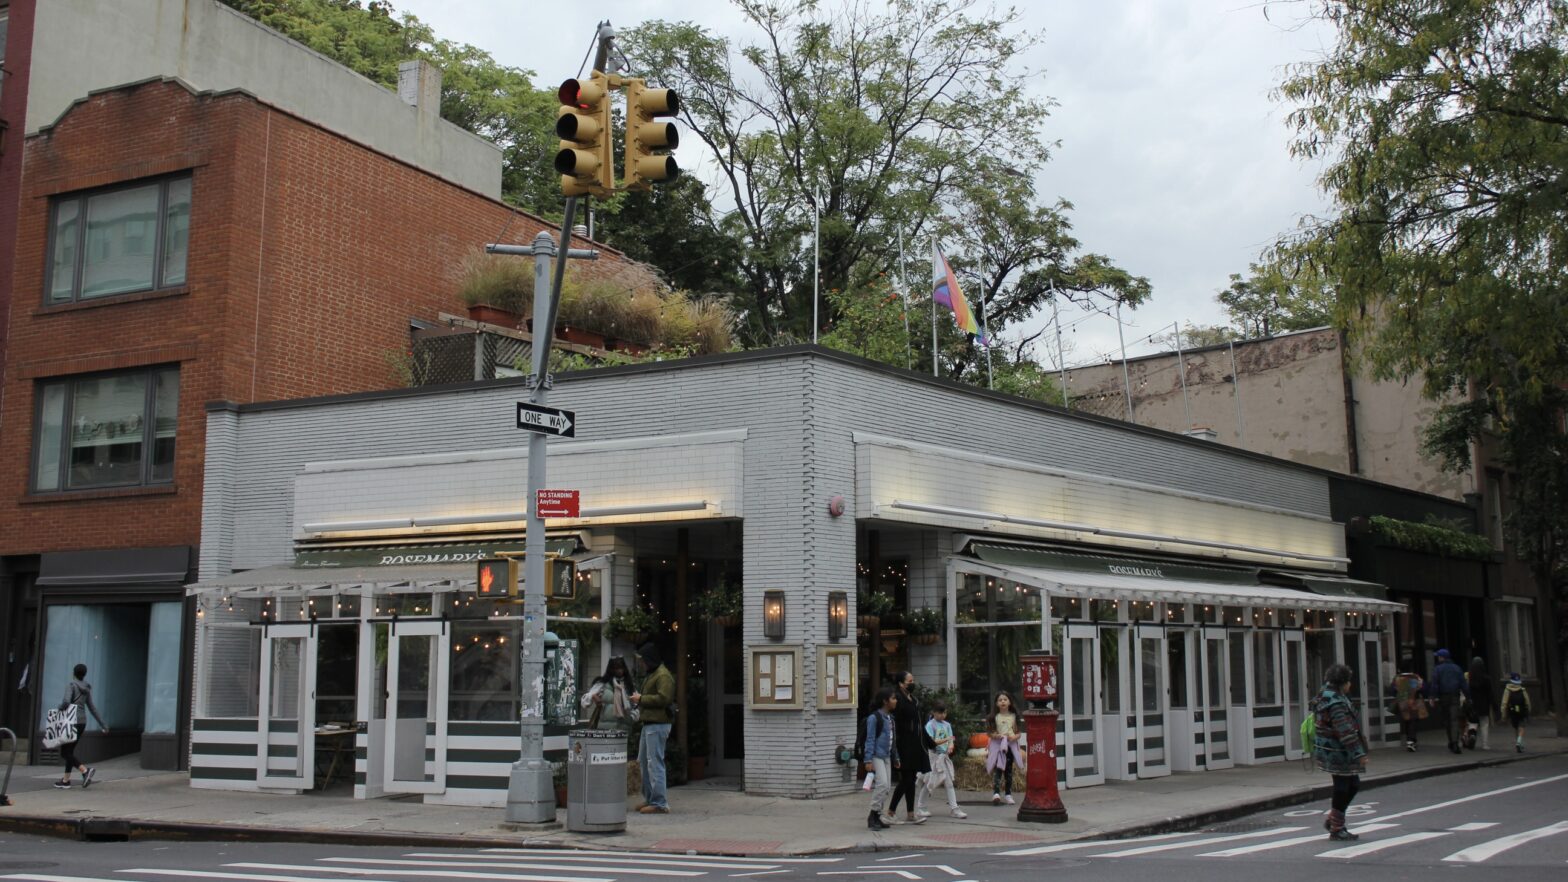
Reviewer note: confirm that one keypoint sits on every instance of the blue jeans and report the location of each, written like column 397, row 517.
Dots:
column 650, row 758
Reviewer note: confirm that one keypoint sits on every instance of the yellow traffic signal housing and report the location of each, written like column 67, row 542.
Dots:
column 583, row 125
column 498, row 577
column 647, row 135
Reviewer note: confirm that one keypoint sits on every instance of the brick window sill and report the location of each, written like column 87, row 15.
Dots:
column 115, row 300
column 106, row 493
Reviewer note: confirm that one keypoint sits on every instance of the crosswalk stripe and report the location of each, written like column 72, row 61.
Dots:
column 251, row 877
column 1473, row 826
column 35, row 877
column 1355, row 851
column 505, row 864
column 1172, row 846
column 1069, row 846
column 715, row 864
column 452, row 874
column 1286, row 843
column 632, row 855
column 1475, row 854
column 1474, row 796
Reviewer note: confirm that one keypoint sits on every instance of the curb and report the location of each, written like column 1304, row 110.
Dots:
column 128, row 829
column 1181, row 823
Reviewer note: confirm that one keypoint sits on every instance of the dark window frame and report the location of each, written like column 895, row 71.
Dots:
column 149, row 430
column 81, row 197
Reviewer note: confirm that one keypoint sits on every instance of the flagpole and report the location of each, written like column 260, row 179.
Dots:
column 985, row 336
column 1181, row 367
column 909, row 346
column 1126, row 377
column 934, row 371
column 816, row 256
column 1061, row 358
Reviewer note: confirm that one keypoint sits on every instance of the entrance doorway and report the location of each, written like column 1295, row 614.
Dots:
column 1151, row 700
column 1214, row 701
column 1294, row 649
column 414, row 757
column 1081, row 706
column 287, row 718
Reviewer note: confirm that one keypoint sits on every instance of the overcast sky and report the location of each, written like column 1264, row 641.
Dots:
column 1172, row 152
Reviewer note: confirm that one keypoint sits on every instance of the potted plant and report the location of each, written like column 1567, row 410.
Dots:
column 925, row 626
column 872, row 606
column 558, row 777
column 496, row 289
column 632, row 624
column 722, row 605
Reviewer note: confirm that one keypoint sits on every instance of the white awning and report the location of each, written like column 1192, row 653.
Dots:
column 1086, row 576
column 388, row 580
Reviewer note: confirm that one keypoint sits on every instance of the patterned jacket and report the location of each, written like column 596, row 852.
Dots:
column 1339, row 745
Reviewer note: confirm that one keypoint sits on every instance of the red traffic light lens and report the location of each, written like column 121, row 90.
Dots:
column 569, row 92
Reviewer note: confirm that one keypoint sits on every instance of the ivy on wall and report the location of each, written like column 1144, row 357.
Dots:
column 1436, row 539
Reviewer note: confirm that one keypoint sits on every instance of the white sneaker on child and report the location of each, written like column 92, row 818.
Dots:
column 959, row 813
column 1008, row 799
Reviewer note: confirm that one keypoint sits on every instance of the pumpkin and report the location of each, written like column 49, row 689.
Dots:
column 979, row 740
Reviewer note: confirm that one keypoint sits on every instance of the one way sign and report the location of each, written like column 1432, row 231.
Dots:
column 546, row 420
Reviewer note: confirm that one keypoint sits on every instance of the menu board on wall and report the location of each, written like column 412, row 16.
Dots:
column 777, row 680
column 837, row 676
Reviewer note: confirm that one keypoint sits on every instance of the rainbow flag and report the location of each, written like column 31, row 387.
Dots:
column 945, row 290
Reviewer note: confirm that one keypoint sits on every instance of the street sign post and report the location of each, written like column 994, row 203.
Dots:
column 557, row 503
column 546, row 420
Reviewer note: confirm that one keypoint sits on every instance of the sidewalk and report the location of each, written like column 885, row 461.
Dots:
column 127, row 801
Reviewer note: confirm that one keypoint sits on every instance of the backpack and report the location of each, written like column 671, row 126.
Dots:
column 860, row 736
column 1516, row 702
column 1309, row 732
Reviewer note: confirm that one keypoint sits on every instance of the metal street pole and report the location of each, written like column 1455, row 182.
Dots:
column 1126, row 377
column 1235, row 386
column 1061, row 357
column 1181, row 368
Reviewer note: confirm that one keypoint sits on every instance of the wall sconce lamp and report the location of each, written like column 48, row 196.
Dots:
column 773, row 614
column 838, row 615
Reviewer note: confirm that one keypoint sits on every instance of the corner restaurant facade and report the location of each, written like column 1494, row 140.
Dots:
column 1195, row 593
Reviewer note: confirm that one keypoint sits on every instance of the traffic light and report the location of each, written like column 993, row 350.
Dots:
column 498, row 577
column 583, row 125
column 646, row 134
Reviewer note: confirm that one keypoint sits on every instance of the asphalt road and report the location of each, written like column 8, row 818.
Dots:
column 1509, row 820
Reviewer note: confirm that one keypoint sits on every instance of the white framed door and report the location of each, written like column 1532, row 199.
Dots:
column 1293, row 665
column 414, row 756
column 1369, row 668
column 1081, row 706
column 287, row 716
column 1150, row 700
column 1214, row 699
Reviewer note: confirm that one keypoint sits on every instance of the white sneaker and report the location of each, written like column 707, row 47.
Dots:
column 959, row 813
column 921, row 812
column 996, row 799
column 1008, row 799
column 917, row 819
column 890, row 820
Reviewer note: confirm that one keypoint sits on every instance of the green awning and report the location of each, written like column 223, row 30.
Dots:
column 1328, row 586
column 306, row 557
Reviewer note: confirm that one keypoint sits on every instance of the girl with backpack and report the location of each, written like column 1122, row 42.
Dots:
column 1340, row 747
column 880, row 751
column 1516, row 704
column 78, row 692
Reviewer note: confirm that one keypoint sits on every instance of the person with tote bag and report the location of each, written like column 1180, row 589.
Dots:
column 72, row 716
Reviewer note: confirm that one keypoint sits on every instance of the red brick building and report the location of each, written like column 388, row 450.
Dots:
column 176, row 247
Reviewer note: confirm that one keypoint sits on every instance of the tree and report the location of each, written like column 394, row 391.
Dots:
column 1442, row 124
column 496, row 102
column 1277, row 296
column 885, row 110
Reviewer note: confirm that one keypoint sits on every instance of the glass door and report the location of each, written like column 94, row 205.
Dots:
column 287, row 717
column 1293, row 647
column 1372, row 684
column 1081, row 706
column 1150, row 699
column 417, row 669
column 726, row 701
column 1215, row 700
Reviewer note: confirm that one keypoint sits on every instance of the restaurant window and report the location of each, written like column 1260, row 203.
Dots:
column 230, row 636
column 998, row 620
column 1265, row 667
column 119, row 240
column 106, row 430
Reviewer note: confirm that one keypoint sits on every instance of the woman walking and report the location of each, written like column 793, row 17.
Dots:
column 80, row 693
column 1407, row 688
column 910, row 734
column 609, row 698
column 1483, row 702
column 1340, row 747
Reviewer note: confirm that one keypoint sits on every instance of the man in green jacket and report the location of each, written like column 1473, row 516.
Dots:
column 653, row 702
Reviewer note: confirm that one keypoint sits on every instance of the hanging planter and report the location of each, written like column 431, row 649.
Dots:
column 722, row 605
column 871, row 606
column 632, row 624
column 925, row 626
